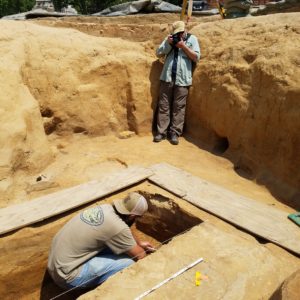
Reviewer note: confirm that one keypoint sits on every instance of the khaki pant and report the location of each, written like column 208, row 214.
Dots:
column 171, row 107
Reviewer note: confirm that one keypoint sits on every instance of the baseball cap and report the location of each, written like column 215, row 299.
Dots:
column 133, row 204
column 178, row 26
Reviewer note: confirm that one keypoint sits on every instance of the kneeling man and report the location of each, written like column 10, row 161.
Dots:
column 97, row 243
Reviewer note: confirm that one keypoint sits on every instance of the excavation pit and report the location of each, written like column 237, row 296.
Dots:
column 27, row 249
column 244, row 110
column 164, row 219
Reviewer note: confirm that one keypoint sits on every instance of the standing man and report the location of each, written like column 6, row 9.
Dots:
column 181, row 50
column 97, row 243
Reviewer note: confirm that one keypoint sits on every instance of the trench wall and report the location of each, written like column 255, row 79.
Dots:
column 244, row 99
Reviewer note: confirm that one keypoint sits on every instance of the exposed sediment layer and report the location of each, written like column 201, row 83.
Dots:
column 243, row 103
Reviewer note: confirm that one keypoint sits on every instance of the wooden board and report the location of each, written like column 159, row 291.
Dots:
column 258, row 218
column 29, row 212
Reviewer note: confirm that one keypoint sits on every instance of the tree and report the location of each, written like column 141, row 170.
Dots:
column 59, row 4
column 10, row 7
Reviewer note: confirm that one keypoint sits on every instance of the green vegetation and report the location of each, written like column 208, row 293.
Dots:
column 9, row 7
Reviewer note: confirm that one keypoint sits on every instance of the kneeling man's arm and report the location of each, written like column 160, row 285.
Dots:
column 137, row 252
column 141, row 249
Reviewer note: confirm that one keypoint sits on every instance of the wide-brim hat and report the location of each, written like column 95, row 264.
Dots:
column 178, row 26
column 133, row 204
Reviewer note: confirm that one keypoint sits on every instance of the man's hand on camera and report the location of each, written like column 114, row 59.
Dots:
column 180, row 44
column 170, row 39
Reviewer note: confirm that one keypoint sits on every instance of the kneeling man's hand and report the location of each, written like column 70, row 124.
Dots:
column 147, row 246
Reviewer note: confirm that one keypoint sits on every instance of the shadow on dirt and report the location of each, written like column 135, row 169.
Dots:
column 247, row 169
column 49, row 290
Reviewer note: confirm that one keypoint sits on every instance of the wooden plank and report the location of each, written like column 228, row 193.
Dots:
column 29, row 212
column 164, row 177
column 257, row 218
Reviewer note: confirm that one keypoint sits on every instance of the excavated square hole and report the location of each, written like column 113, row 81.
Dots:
column 164, row 220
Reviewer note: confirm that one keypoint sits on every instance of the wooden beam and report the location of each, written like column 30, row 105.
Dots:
column 260, row 219
column 29, row 212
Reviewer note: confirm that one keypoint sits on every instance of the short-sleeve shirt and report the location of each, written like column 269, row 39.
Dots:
column 83, row 237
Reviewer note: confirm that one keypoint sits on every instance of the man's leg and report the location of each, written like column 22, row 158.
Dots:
column 164, row 104
column 178, row 111
column 99, row 268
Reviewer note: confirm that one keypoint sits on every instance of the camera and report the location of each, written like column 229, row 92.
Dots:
column 176, row 38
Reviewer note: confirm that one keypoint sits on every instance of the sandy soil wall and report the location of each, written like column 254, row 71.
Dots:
column 246, row 89
column 245, row 96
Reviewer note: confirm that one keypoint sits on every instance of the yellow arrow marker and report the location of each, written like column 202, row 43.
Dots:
column 198, row 278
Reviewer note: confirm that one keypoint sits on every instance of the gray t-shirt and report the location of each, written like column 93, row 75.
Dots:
column 83, row 237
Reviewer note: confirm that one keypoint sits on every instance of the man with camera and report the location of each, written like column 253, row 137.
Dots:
column 181, row 50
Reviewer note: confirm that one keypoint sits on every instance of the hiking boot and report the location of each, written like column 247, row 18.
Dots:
column 174, row 138
column 158, row 138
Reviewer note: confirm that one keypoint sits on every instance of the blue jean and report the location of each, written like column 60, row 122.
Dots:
column 99, row 268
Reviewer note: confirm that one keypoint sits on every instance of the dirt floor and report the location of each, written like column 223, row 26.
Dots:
column 77, row 99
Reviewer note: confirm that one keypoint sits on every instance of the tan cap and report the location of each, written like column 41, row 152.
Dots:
column 133, row 204
column 178, row 26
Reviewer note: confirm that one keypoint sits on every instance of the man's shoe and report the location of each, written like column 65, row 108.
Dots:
column 158, row 138
column 174, row 139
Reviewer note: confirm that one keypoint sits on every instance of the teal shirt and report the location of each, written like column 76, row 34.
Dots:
column 184, row 64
